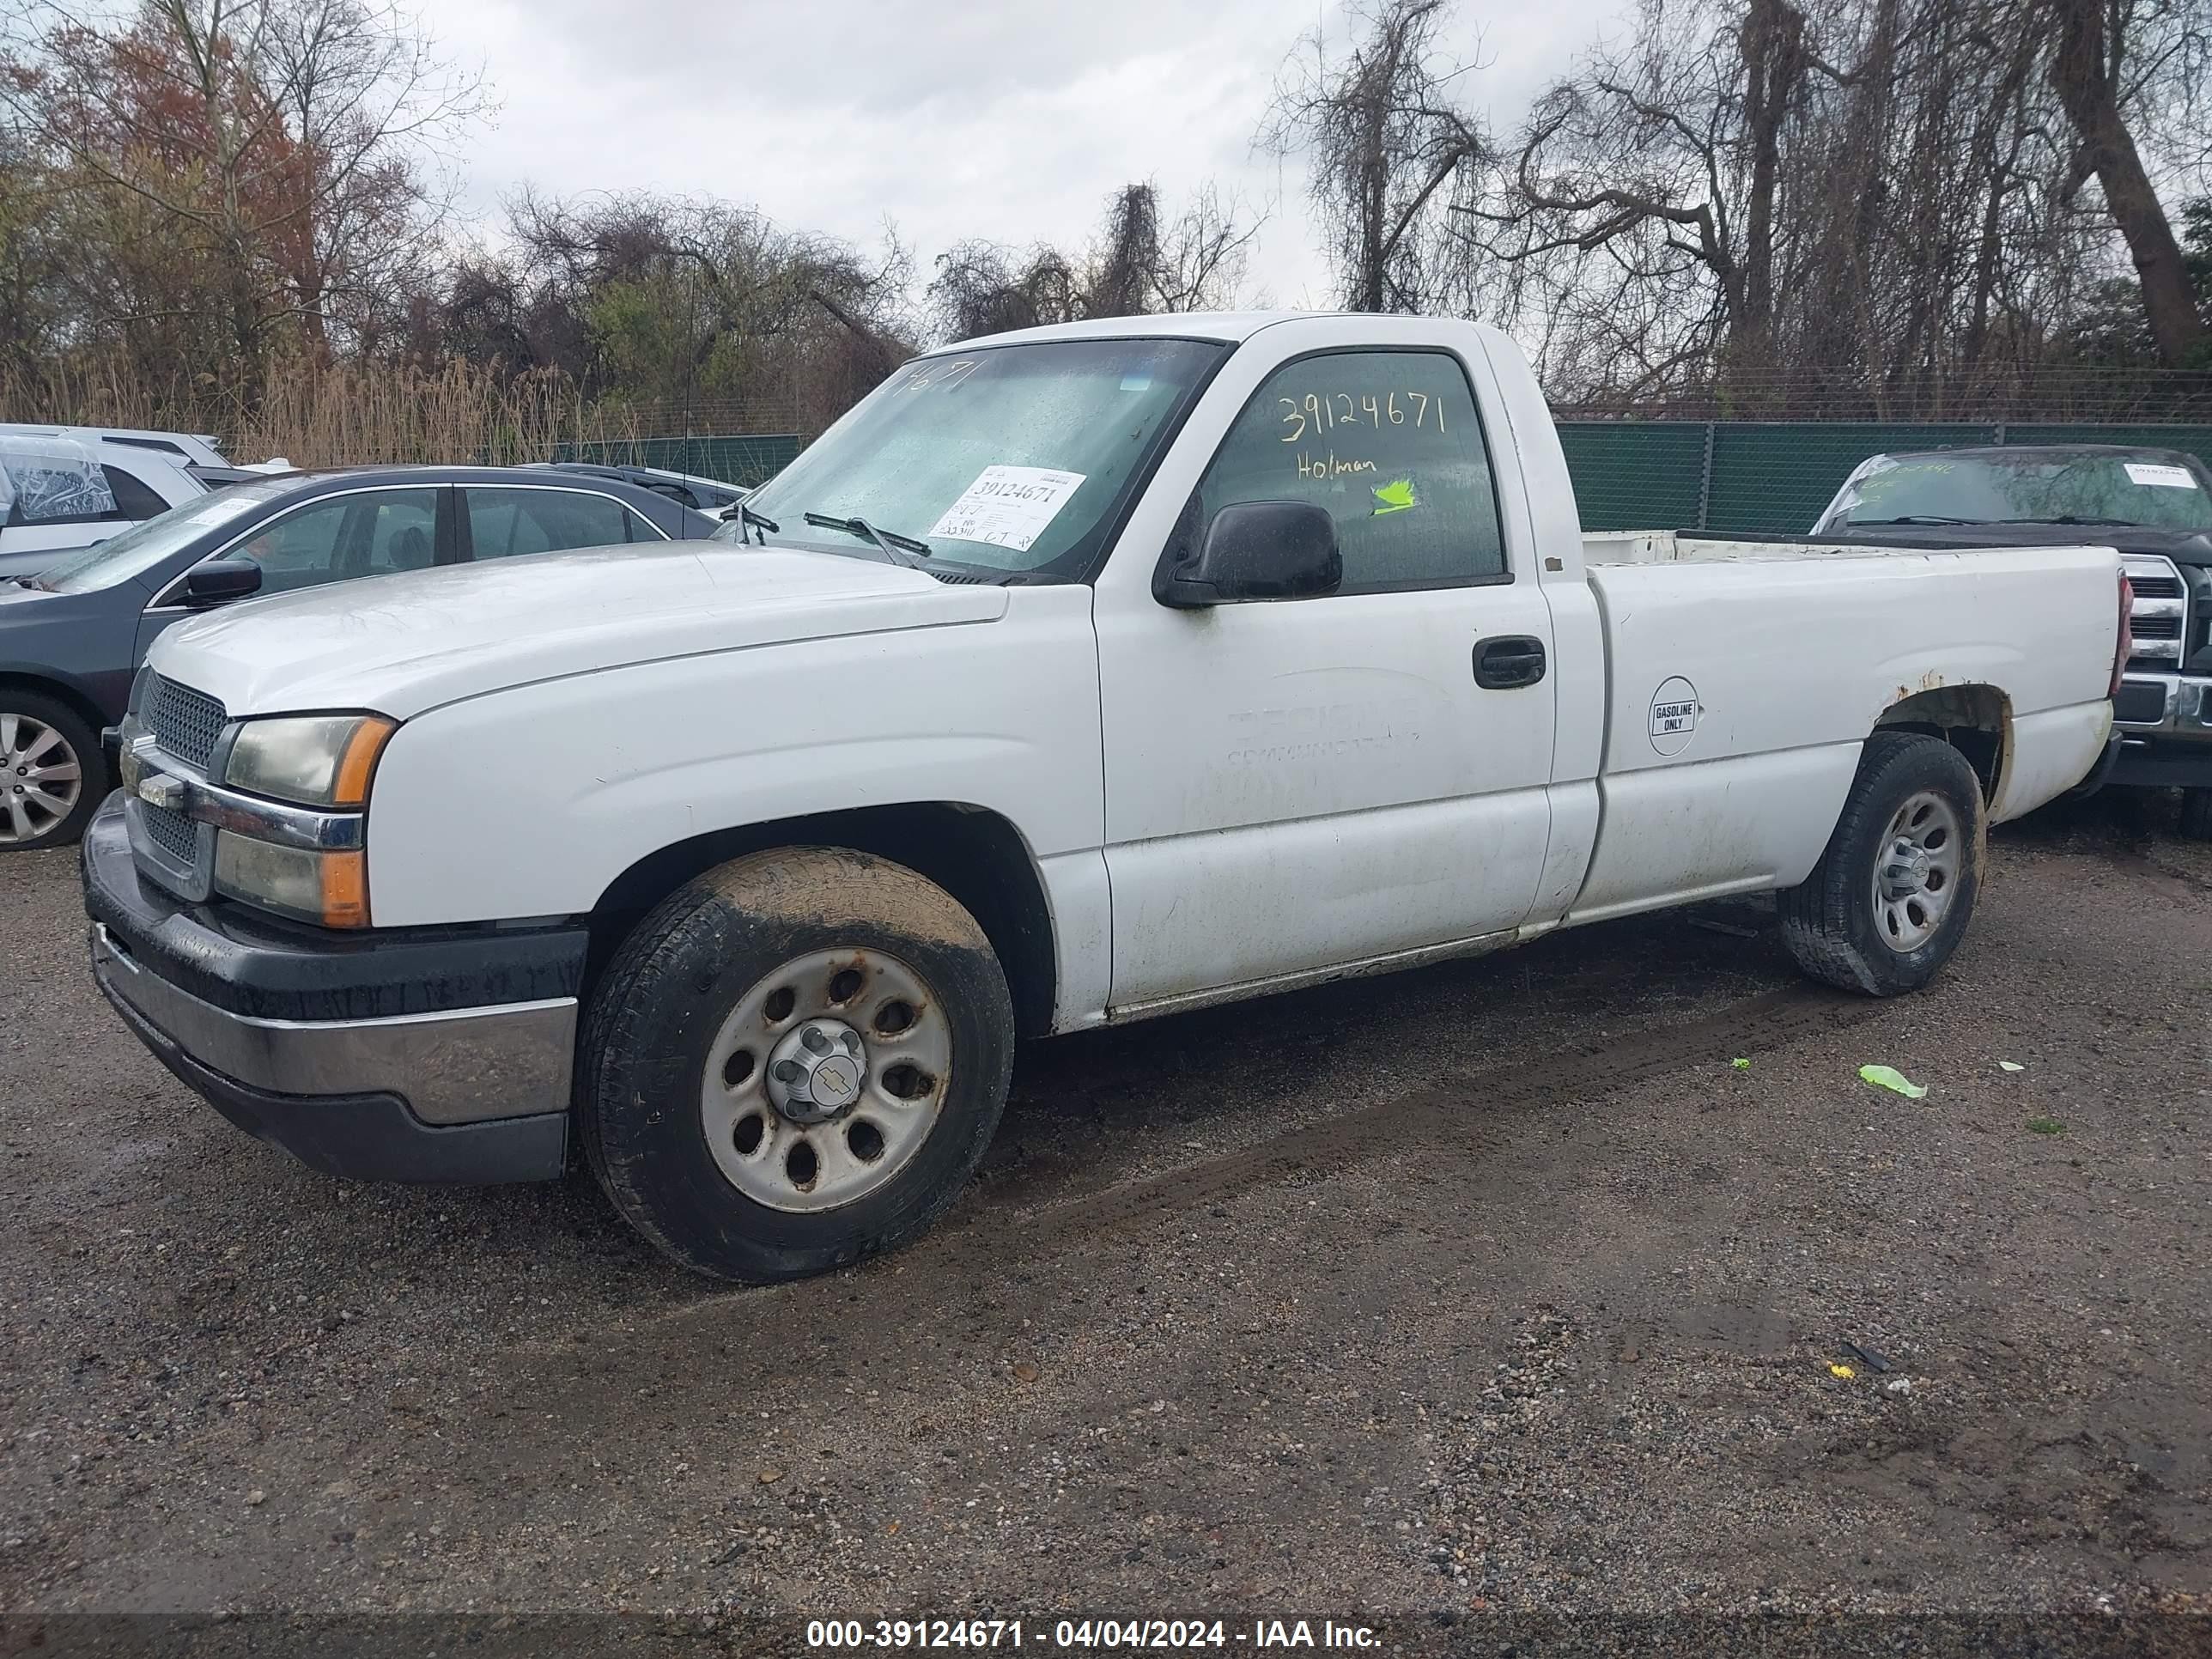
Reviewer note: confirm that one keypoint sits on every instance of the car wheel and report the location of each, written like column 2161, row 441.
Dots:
column 51, row 775
column 1891, row 897
column 795, row 1061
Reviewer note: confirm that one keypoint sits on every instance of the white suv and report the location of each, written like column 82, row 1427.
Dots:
column 63, row 488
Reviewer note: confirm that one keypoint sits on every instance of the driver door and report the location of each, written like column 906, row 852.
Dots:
column 1302, row 784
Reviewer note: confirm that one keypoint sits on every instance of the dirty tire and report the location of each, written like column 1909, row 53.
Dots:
column 1830, row 921
column 83, row 742
column 662, row 1005
column 2196, row 814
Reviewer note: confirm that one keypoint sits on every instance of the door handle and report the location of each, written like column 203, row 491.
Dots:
column 1509, row 661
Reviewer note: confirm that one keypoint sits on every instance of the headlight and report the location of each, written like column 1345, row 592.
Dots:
column 328, row 888
column 317, row 761
column 313, row 760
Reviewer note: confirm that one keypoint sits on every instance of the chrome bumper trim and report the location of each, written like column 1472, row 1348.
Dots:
column 2186, row 712
column 154, row 777
column 509, row 1060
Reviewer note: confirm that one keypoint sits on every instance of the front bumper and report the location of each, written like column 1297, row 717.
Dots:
column 440, row 1056
column 2163, row 725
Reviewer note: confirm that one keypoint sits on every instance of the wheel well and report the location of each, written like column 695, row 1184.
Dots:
column 1974, row 720
column 61, row 692
column 973, row 853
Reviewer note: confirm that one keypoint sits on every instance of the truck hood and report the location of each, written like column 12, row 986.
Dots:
column 400, row 645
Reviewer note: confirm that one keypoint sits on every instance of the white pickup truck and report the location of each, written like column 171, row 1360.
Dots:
column 1075, row 676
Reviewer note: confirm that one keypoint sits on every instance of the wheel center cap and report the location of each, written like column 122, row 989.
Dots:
column 817, row 1071
column 1904, row 873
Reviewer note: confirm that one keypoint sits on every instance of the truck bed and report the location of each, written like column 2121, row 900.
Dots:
column 1743, row 678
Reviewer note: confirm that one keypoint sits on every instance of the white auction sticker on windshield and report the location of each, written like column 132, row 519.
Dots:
column 2165, row 478
column 222, row 509
column 1007, row 505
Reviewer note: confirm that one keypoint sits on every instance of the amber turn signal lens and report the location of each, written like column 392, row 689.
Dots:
column 345, row 890
column 358, row 763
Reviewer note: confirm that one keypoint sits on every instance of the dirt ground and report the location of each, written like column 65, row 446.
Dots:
column 1495, row 1286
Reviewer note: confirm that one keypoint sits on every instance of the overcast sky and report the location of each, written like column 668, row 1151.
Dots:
column 992, row 118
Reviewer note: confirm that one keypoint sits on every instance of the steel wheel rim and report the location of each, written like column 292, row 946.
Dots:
column 1916, row 871
column 757, row 1123
column 41, row 779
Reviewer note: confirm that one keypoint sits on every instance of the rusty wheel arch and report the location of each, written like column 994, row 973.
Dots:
column 1974, row 718
column 975, row 855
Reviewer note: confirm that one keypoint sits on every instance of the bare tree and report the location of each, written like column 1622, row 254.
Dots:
column 2097, row 68
column 279, row 146
column 1383, row 139
column 1136, row 266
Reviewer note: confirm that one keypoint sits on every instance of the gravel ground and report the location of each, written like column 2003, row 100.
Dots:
column 1492, row 1286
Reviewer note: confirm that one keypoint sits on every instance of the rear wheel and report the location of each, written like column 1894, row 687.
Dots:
column 52, row 775
column 797, row 1060
column 2196, row 814
column 1891, row 897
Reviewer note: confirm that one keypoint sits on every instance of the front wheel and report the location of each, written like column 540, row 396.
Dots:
column 51, row 775
column 1890, row 899
column 795, row 1061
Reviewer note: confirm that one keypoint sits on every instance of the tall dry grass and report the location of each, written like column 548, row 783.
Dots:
column 337, row 415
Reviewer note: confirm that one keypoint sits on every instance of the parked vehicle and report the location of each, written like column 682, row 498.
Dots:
column 1074, row 676
column 2153, row 505
column 63, row 488
column 72, row 637
column 708, row 496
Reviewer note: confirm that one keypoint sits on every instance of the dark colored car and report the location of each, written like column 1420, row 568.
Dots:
column 72, row 637
column 2154, row 506
column 709, row 496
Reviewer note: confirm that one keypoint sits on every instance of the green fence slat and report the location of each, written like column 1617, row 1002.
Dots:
column 1635, row 475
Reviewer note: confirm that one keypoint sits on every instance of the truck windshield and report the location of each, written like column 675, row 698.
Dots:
column 140, row 548
column 2037, row 486
column 1009, row 457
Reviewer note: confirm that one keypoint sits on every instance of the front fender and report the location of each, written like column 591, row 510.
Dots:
column 531, row 801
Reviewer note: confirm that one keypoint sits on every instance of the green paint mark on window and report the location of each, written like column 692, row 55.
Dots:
column 1395, row 497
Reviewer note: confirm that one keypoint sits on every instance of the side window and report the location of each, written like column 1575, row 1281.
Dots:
column 1389, row 442
column 134, row 499
column 503, row 522
column 370, row 534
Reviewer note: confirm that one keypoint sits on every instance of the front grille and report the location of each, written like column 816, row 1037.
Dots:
column 2157, row 628
column 2155, row 587
column 174, row 835
column 185, row 722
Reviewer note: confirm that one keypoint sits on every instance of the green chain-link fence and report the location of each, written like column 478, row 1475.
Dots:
column 1773, row 477
column 748, row 457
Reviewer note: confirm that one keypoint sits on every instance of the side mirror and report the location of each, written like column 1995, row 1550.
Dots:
column 220, row 580
column 1259, row 550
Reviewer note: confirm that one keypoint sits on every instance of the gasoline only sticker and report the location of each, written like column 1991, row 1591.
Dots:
column 1674, row 716
column 1007, row 505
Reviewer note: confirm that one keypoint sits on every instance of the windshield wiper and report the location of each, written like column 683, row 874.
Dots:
column 747, row 516
column 1909, row 518
column 2068, row 517
column 895, row 547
